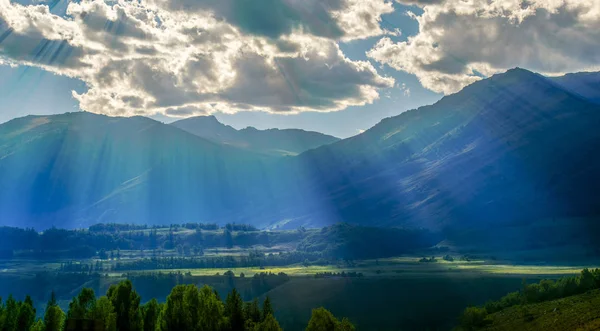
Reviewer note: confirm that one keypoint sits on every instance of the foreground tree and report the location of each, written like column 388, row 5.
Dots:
column 26, row 314
column 54, row 317
column 269, row 324
column 234, row 311
column 150, row 312
column 127, row 306
column 323, row 320
column 267, row 308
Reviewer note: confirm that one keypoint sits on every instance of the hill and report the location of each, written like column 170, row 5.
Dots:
column 271, row 142
column 580, row 312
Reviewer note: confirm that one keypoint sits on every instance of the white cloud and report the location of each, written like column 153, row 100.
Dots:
column 185, row 57
column 461, row 41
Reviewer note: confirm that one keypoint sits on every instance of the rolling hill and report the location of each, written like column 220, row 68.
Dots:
column 273, row 142
column 579, row 312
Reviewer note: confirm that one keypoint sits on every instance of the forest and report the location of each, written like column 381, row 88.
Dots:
column 186, row 308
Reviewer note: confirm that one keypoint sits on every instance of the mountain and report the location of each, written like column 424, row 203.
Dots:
column 77, row 169
column 515, row 151
column 584, row 84
column 270, row 142
column 512, row 148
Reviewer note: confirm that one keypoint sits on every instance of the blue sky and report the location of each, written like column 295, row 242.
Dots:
column 333, row 66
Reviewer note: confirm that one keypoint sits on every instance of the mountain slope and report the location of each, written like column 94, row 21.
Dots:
column 80, row 168
column 584, row 84
column 271, row 142
column 510, row 148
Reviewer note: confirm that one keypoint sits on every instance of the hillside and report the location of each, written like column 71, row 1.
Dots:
column 271, row 142
column 580, row 312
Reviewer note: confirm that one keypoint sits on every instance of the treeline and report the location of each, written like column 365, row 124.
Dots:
column 342, row 274
column 252, row 260
column 158, row 285
column 346, row 241
column 116, row 227
column 186, row 308
column 103, row 239
column 474, row 318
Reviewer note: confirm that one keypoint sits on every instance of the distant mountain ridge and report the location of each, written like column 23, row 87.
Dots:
column 584, row 84
column 271, row 142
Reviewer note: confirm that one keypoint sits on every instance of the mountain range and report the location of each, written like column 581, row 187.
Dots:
column 270, row 142
column 506, row 150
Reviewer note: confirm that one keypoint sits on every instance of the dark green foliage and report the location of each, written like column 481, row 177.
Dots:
column 38, row 326
column 150, row 312
column 268, row 324
column 323, row 320
column 252, row 311
column 81, row 306
column 127, row 306
column 473, row 318
column 234, row 311
column 26, row 315
column 267, row 308
column 54, row 316
column 187, row 308
column 104, row 314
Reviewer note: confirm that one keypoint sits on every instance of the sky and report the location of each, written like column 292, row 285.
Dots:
column 333, row 66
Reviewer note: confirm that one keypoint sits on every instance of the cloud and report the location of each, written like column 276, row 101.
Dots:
column 183, row 57
column 460, row 42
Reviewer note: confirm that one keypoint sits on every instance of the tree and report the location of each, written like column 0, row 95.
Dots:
column 269, row 324
column 82, row 305
column 26, row 314
column 267, row 308
column 11, row 312
column 126, row 302
column 54, row 316
column 473, row 318
column 38, row 326
column 234, row 310
column 211, row 315
column 345, row 325
column 323, row 320
column 252, row 311
column 150, row 312
column 103, row 313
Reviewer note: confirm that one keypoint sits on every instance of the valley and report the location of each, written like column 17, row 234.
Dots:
column 385, row 289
